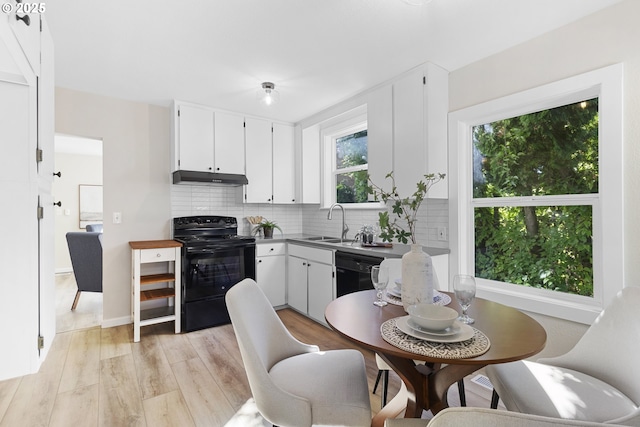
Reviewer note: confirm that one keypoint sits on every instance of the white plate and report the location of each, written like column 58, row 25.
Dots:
column 438, row 297
column 395, row 292
column 452, row 330
column 466, row 332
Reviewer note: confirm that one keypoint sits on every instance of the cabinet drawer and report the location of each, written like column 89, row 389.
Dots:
column 312, row 254
column 157, row 255
column 266, row 249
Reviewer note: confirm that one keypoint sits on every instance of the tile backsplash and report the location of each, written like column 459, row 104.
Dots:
column 187, row 200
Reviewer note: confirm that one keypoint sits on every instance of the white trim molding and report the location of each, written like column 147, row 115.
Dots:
column 608, row 240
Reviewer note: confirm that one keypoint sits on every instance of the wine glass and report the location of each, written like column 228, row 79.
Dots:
column 464, row 288
column 380, row 278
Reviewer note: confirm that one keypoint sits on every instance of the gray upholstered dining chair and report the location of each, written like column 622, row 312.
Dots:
column 395, row 272
column 295, row 384
column 597, row 380
column 94, row 228
column 483, row 417
column 85, row 250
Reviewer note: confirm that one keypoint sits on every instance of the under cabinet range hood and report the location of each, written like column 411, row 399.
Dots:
column 193, row 177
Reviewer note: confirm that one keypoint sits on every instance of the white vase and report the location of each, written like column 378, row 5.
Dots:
column 417, row 277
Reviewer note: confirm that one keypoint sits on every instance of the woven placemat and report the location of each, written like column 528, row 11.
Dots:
column 438, row 298
column 472, row 347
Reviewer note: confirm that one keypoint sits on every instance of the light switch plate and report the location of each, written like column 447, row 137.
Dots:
column 117, row 217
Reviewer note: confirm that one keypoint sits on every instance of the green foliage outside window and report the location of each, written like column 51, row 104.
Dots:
column 551, row 152
column 351, row 151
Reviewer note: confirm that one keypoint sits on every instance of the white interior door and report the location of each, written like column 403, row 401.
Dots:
column 19, row 258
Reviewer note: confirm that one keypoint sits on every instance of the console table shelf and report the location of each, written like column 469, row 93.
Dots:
column 148, row 252
column 156, row 278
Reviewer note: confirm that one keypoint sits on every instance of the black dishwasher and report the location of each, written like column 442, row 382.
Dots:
column 354, row 272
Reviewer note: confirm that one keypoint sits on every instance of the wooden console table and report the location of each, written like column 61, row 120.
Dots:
column 155, row 251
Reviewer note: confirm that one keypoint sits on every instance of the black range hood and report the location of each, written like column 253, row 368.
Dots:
column 190, row 177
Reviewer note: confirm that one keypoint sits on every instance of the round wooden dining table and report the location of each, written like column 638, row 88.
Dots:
column 513, row 336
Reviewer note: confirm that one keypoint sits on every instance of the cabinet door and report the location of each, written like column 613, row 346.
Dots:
column 311, row 165
column 195, row 138
column 28, row 35
column 229, row 143
column 409, row 142
column 271, row 277
column 283, row 164
column 259, row 161
column 320, row 289
column 297, row 284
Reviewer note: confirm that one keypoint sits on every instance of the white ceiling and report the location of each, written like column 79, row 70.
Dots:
column 317, row 52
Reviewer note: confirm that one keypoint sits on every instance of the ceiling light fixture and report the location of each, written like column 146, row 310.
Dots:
column 268, row 95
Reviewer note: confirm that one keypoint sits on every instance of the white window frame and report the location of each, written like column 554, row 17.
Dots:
column 345, row 124
column 608, row 242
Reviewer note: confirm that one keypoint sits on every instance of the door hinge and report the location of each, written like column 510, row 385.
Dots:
column 39, row 155
column 424, row 80
column 178, row 112
column 40, row 212
column 40, row 342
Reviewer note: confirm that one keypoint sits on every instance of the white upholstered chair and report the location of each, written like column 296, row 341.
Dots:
column 482, row 417
column 597, row 380
column 294, row 384
column 394, row 265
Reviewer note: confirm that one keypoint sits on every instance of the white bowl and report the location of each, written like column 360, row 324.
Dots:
column 432, row 316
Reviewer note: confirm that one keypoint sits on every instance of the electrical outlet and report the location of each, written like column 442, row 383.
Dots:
column 442, row 233
column 117, row 217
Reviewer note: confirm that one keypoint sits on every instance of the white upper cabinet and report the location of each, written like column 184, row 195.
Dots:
column 380, row 135
column 283, row 164
column 310, row 165
column 270, row 162
column 259, row 161
column 206, row 140
column 229, row 143
column 410, row 145
column 420, row 104
column 195, row 139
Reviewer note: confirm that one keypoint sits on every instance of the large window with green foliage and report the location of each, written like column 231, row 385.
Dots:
column 535, row 185
column 351, row 167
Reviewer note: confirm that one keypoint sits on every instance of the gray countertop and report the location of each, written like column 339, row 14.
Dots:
column 396, row 251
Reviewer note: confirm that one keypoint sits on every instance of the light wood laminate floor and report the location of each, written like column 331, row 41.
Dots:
column 99, row 377
column 87, row 314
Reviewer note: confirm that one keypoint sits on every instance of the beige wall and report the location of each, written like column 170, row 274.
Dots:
column 602, row 39
column 76, row 170
column 136, row 140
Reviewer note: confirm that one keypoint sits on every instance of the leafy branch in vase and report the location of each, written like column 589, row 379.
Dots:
column 404, row 209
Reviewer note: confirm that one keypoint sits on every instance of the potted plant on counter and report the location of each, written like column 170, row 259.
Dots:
column 266, row 227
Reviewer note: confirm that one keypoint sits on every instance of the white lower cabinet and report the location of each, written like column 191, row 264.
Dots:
column 311, row 280
column 271, row 271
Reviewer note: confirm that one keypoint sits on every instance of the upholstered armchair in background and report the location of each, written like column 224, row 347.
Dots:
column 85, row 250
column 483, row 417
column 94, row 228
column 597, row 380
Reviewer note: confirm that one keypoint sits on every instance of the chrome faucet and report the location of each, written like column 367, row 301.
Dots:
column 345, row 227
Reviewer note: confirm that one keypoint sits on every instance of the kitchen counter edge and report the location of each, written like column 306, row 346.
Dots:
column 396, row 251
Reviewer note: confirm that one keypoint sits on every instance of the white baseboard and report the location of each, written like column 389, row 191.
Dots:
column 64, row 270
column 118, row 321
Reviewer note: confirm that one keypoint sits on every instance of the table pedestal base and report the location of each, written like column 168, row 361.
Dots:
column 424, row 387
